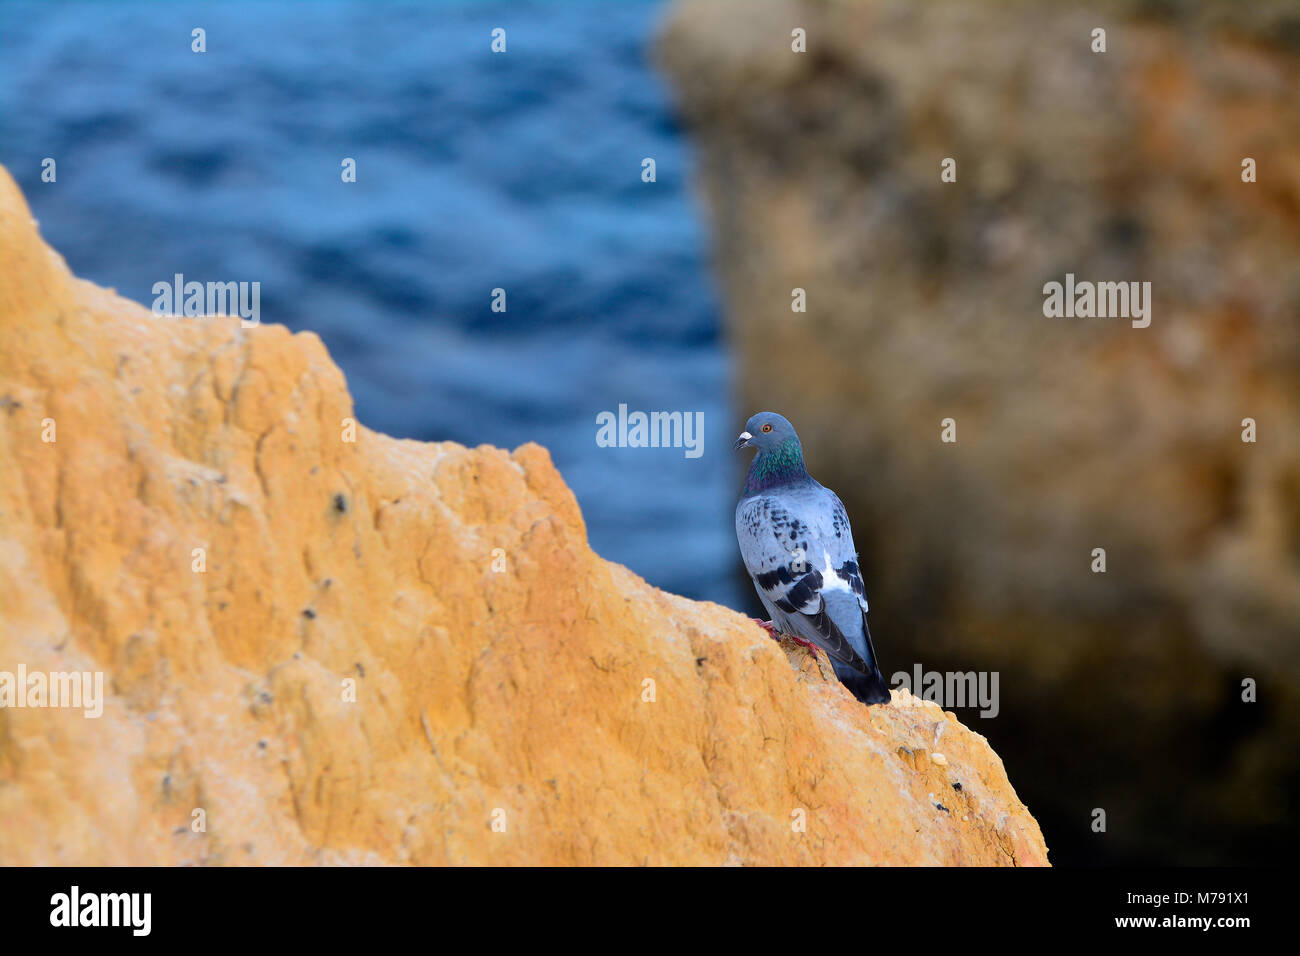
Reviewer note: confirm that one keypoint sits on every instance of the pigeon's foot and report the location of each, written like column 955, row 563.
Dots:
column 808, row 644
column 777, row 635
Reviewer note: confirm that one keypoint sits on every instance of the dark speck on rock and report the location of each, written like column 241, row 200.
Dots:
column 340, row 504
column 308, row 613
column 360, row 670
column 957, row 787
column 943, row 808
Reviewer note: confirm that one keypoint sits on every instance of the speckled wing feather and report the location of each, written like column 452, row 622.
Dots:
column 798, row 549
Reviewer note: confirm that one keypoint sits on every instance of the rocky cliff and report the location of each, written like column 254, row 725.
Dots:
column 823, row 172
column 323, row 645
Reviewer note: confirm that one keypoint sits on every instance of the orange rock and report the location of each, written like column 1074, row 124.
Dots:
column 391, row 646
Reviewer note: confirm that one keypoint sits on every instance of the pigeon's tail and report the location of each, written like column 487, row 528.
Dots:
column 868, row 688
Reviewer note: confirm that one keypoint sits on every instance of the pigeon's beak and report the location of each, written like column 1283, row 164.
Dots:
column 742, row 441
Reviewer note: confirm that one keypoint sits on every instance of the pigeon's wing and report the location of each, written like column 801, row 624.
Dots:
column 837, row 537
column 841, row 558
column 780, row 541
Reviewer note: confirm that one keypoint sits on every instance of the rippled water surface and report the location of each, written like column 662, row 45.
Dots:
column 476, row 171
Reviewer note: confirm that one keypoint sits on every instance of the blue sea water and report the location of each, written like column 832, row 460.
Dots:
column 475, row 171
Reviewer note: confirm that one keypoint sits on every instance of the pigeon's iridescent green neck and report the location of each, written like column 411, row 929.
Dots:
column 779, row 467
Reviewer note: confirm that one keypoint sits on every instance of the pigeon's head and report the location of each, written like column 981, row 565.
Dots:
column 767, row 431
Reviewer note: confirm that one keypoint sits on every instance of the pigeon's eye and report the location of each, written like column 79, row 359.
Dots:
column 767, row 427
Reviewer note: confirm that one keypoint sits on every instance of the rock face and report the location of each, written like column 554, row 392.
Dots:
column 382, row 651
column 822, row 172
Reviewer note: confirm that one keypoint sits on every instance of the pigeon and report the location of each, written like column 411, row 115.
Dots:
column 796, row 543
